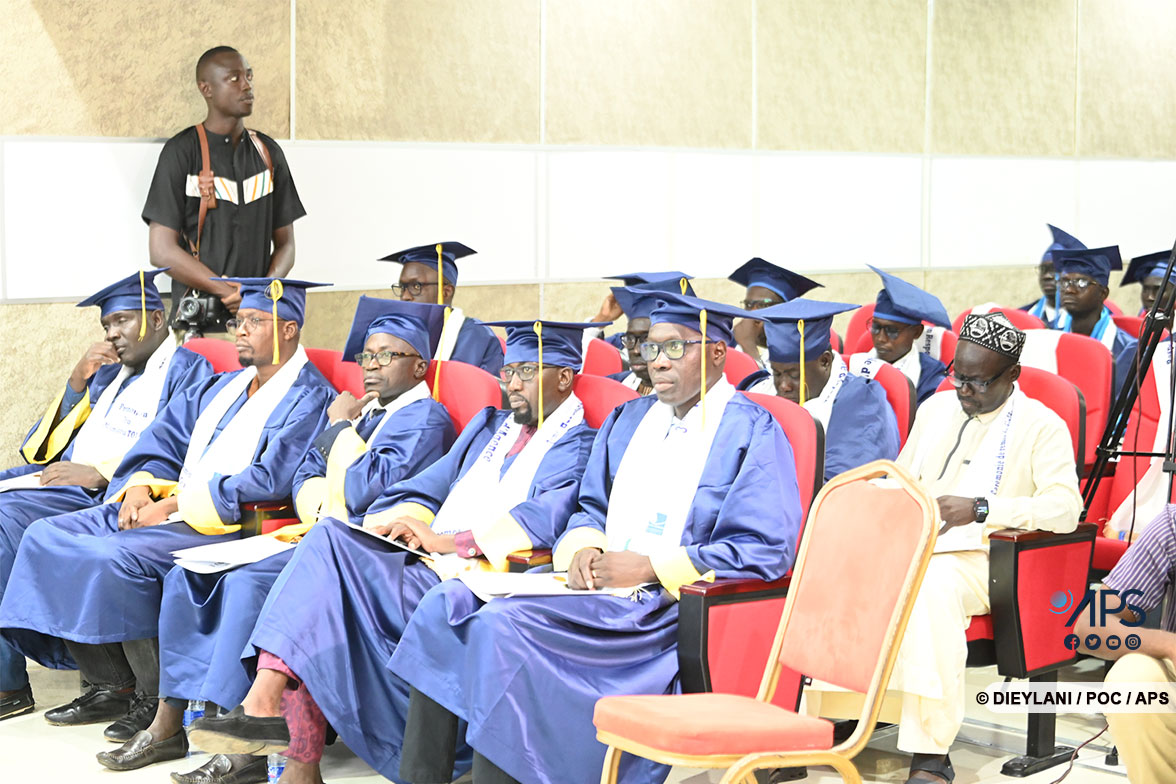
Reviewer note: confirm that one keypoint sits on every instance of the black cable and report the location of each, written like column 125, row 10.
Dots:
column 1074, row 756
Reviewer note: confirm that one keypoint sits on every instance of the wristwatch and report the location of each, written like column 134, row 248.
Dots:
column 980, row 509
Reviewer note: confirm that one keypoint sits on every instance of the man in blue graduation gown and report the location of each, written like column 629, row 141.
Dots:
column 429, row 274
column 680, row 487
column 1082, row 279
column 637, row 303
column 336, row 612
column 611, row 309
column 766, row 284
column 858, row 421
column 94, row 577
column 1148, row 271
column 1048, row 307
column 113, row 393
column 897, row 327
column 391, row 433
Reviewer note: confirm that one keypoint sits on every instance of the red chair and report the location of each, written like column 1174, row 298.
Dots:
column 725, row 628
column 326, row 360
column 854, row 587
column 1115, row 309
column 348, row 376
column 501, row 342
column 835, row 339
column 859, row 324
column 601, row 359
column 739, row 366
column 1132, row 325
column 600, row 395
column 900, row 394
column 222, row 354
column 1021, row 319
column 1084, row 362
column 465, row 390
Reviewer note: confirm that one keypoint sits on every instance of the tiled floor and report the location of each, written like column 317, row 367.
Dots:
column 32, row 751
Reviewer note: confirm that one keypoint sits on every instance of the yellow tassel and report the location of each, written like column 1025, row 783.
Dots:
column 539, row 334
column 682, row 284
column 444, row 322
column 440, row 275
column 274, row 291
column 803, row 387
column 143, row 305
column 702, row 395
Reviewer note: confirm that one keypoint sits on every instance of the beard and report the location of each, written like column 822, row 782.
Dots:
column 523, row 416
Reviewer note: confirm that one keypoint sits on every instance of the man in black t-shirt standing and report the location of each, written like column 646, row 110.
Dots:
column 248, row 228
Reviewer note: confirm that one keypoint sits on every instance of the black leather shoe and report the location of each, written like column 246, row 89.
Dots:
column 17, row 704
column 139, row 718
column 236, row 733
column 95, row 706
column 143, row 750
column 226, row 769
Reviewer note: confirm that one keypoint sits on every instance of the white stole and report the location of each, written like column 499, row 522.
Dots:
column 418, row 392
column 821, row 406
column 658, row 477
column 1151, row 493
column 448, row 340
column 485, row 494
column 864, row 364
column 236, row 444
column 115, row 424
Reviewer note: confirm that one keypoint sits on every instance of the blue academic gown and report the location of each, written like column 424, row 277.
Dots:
column 205, row 619
column 21, row 508
column 1038, row 305
column 931, row 375
column 79, row 578
column 477, row 345
column 861, row 428
column 337, row 610
column 526, row 673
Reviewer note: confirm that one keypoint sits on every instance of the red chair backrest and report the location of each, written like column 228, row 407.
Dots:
column 1021, row 319
column 501, row 342
column 1132, row 325
column 465, row 390
column 858, row 326
column 835, row 340
column 900, row 394
column 600, row 396
column 1115, row 309
column 221, row 354
column 808, row 444
column 947, row 347
column 326, row 360
column 348, row 376
column 1062, row 397
column 1087, row 364
column 601, row 359
column 739, row 366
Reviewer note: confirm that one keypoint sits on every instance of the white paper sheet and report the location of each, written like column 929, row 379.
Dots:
column 499, row 585
column 221, row 556
column 23, row 482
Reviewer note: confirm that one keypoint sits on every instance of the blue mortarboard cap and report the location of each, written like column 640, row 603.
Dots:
column 1150, row 266
column 417, row 323
column 1095, row 263
column 563, row 341
column 128, row 294
column 780, row 328
column 639, row 301
column 786, row 283
column 662, row 281
column 906, row 303
column 1061, row 241
column 685, row 310
column 258, row 294
column 427, row 255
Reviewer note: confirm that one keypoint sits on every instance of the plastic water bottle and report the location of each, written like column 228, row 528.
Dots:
column 275, row 765
column 195, row 710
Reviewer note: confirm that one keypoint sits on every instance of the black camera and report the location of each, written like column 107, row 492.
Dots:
column 198, row 312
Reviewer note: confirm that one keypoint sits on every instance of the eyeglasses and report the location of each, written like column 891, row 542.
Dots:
column 1078, row 284
column 674, row 348
column 524, row 372
column 414, row 288
column 757, row 304
column 631, row 340
column 383, row 358
column 249, row 322
column 891, row 332
column 977, row 385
